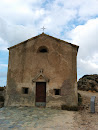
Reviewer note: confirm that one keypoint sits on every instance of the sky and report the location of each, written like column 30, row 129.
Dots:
column 75, row 21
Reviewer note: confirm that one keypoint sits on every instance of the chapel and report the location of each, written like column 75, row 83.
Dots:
column 42, row 72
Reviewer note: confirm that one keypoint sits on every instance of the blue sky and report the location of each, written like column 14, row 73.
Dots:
column 74, row 21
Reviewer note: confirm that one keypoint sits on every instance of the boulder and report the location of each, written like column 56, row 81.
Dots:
column 88, row 83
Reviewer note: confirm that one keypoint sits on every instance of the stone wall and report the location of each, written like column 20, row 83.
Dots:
column 58, row 65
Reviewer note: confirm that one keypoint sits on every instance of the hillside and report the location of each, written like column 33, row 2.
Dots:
column 88, row 83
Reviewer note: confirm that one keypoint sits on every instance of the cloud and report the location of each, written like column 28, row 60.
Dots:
column 3, row 45
column 53, row 13
column 88, row 9
column 20, row 20
column 3, row 81
column 65, row 19
column 3, row 65
column 12, row 34
column 86, row 37
column 3, row 74
column 20, row 11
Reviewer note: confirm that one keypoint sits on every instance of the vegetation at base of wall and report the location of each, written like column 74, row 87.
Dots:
column 56, row 107
column 79, row 99
column 1, row 104
column 65, row 107
column 1, row 99
column 1, row 88
column 2, row 96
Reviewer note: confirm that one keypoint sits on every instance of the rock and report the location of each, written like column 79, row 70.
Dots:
column 96, row 88
column 88, row 83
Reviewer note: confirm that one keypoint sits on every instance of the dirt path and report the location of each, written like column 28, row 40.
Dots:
column 84, row 119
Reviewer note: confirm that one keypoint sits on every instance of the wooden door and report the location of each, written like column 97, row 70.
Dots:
column 40, row 93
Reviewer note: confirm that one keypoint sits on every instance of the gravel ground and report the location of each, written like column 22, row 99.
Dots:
column 30, row 118
column 27, row 118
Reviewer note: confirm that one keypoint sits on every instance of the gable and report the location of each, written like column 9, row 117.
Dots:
column 45, row 36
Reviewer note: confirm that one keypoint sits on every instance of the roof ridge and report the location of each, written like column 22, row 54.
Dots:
column 62, row 40
column 40, row 35
column 25, row 41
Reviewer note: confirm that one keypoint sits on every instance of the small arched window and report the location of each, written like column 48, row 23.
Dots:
column 43, row 49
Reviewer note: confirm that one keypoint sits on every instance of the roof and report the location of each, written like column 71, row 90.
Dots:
column 44, row 35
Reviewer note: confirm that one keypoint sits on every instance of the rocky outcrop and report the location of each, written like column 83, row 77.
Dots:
column 2, row 93
column 88, row 83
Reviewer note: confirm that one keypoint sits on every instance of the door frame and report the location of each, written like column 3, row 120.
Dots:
column 40, row 104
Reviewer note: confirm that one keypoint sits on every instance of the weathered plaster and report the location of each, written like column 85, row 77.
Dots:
column 59, row 66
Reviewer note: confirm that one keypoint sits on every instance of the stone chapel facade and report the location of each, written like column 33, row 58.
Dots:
column 42, row 71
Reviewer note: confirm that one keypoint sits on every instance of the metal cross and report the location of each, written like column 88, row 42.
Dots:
column 43, row 28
